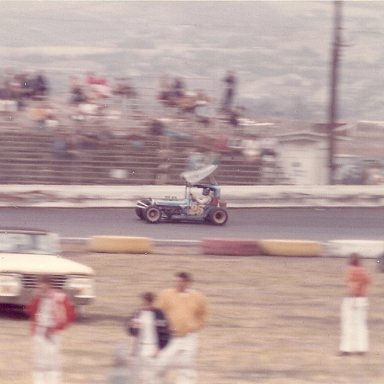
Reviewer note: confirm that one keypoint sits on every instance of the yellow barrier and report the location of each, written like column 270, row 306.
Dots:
column 291, row 248
column 120, row 244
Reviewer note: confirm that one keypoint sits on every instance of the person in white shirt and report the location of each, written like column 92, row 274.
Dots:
column 150, row 328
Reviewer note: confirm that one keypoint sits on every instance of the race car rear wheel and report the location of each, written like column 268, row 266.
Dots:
column 152, row 214
column 218, row 216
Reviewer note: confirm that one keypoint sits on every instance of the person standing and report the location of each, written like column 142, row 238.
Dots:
column 354, row 329
column 150, row 327
column 50, row 312
column 186, row 310
column 230, row 82
column 119, row 373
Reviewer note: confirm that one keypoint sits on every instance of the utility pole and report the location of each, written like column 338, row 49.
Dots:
column 334, row 79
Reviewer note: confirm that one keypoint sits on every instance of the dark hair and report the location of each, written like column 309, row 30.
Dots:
column 184, row 276
column 148, row 297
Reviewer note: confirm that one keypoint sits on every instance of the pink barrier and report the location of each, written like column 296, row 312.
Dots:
column 231, row 247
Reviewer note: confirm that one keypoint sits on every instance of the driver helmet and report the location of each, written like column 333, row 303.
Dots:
column 206, row 191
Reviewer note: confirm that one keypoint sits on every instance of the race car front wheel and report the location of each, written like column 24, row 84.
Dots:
column 218, row 216
column 152, row 214
column 140, row 211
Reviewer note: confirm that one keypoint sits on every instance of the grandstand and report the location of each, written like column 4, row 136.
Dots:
column 129, row 153
column 27, row 158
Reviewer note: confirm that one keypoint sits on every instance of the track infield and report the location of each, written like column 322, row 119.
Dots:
column 272, row 320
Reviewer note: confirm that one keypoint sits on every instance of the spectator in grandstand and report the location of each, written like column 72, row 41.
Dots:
column 40, row 85
column 165, row 89
column 64, row 145
column 235, row 115
column 230, row 85
column 77, row 91
column 26, row 83
column 44, row 115
column 178, row 88
column 202, row 108
column 123, row 87
column 250, row 147
column 39, row 115
column 157, row 127
column 98, row 86
column 22, row 86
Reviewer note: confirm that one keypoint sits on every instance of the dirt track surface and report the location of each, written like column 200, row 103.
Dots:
column 272, row 320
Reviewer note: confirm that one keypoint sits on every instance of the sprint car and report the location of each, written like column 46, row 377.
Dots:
column 206, row 206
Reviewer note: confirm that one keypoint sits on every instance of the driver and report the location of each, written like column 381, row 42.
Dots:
column 205, row 198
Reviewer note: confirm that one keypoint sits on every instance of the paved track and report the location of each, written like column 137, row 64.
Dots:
column 284, row 223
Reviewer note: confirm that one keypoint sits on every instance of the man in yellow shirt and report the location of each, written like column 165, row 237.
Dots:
column 186, row 310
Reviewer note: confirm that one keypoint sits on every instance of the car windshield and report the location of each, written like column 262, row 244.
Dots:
column 18, row 242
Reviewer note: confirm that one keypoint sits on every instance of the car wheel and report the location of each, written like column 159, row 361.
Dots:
column 152, row 214
column 218, row 216
column 140, row 211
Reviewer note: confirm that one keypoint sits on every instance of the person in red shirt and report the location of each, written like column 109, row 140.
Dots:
column 50, row 312
column 354, row 329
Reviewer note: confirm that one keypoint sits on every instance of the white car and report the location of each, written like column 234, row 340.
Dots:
column 27, row 254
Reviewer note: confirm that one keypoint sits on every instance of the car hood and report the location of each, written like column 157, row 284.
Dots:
column 41, row 264
column 171, row 203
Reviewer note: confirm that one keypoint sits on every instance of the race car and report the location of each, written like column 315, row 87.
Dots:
column 206, row 206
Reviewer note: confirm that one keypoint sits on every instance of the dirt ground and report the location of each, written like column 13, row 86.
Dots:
column 272, row 320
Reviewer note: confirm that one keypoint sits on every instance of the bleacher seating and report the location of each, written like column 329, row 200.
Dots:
column 26, row 158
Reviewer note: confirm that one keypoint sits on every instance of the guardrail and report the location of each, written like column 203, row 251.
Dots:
column 373, row 249
column 82, row 196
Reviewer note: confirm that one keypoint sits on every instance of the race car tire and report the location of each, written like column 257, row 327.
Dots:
column 152, row 214
column 140, row 211
column 218, row 216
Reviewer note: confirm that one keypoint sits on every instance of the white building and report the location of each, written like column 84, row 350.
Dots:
column 303, row 157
